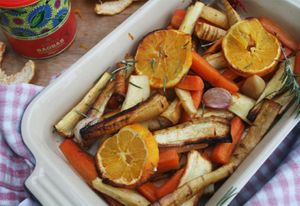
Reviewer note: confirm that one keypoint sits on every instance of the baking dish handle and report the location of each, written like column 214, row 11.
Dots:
column 42, row 186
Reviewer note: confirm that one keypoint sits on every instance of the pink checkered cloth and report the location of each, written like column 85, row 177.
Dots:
column 16, row 162
column 277, row 182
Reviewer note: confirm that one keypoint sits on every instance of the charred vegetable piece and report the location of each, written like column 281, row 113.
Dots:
column 195, row 167
column 217, row 98
column 201, row 130
column 141, row 112
column 241, row 105
column 208, row 32
column 124, row 196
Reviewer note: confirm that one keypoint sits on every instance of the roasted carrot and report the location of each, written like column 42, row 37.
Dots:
column 197, row 97
column 230, row 75
column 170, row 185
column 210, row 74
column 275, row 29
column 191, row 83
column 148, row 191
column 81, row 161
column 215, row 47
column 221, row 153
column 297, row 64
column 168, row 160
column 177, row 18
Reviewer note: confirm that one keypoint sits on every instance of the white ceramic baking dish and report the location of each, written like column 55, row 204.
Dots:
column 53, row 181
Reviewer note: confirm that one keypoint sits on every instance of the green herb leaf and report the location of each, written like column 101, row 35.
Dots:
column 137, row 86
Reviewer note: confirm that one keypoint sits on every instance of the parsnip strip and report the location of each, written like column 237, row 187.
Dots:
column 208, row 32
column 215, row 17
column 191, row 17
column 217, row 60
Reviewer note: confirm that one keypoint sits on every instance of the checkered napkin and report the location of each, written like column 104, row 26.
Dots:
column 16, row 162
column 277, row 182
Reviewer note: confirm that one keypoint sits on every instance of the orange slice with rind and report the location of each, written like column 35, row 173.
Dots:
column 128, row 158
column 250, row 49
column 165, row 56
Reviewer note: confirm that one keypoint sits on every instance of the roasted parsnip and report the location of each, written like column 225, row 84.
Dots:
column 215, row 17
column 66, row 125
column 186, row 101
column 217, row 60
column 173, row 112
column 146, row 110
column 124, row 196
column 232, row 16
column 192, row 16
column 200, row 130
column 208, row 32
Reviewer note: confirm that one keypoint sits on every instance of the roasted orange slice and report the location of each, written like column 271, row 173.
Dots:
column 165, row 56
column 250, row 49
column 128, row 158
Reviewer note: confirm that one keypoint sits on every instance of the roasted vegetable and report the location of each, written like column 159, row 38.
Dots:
column 173, row 112
column 186, row 101
column 275, row 85
column 191, row 17
column 124, row 196
column 217, row 98
column 215, row 17
column 99, row 106
column 253, row 86
column 241, row 105
column 138, row 91
column 141, row 112
column 216, row 60
column 256, row 132
column 208, row 32
column 232, row 16
column 196, row 166
column 201, row 130
column 66, row 125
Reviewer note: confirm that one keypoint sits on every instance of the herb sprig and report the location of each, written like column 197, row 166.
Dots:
column 289, row 78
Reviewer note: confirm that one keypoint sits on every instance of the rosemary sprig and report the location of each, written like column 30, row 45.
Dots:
column 128, row 64
column 289, row 80
column 229, row 194
column 137, row 86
